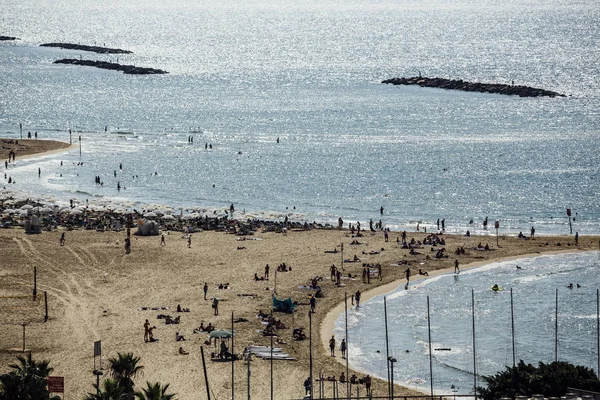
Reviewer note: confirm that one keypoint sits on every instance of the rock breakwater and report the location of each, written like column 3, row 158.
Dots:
column 128, row 69
column 2, row 38
column 496, row 88
column 95, row 49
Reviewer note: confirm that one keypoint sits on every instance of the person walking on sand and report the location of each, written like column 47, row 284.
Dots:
column 407, row 273
column 313, row 303
column 146, row 331
column 357, row 298
column 162, row 240
column 367, row 381
column 215, row 306
column 332, row 346
column 189, row 241
column 205, row 289
column 62, row 239
column 456, row 269
column 343, row 348
column 267, row 272
column 532, row 233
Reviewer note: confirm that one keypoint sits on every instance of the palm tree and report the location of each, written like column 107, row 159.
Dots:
column 27, row 380
column 155, row 392
column 110, row 391
column 124, row 368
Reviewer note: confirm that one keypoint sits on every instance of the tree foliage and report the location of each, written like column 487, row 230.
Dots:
column 108, row 390
column 551, row 380
column 28, row 380
column 124, row 368
column 154, row 391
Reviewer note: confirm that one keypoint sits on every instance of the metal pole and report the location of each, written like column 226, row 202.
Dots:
column 347, row 347
column 512, row 319
column 249, row 358
column 342, row 260
column 232, row 360
column 387, row 347
column 570, row 226
column 205, row 374
column 310, row 353
column 272, row 333
column 598, row 328
column 392, row 377
column 24, row 324
column 474, row 353
column 556, row 329
column 275, row 288
column 34, row 283
column 46, row 306
column 430, row 355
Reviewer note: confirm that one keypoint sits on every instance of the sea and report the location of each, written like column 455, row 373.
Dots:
column 245, row 74
column 550, row 321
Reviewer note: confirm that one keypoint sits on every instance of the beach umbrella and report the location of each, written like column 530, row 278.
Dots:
column 75, row 211
column 219, row 334
column 26, row 207
column 168, row 218
column 45, row 210
column 416, row 381
column 23, row 214
column 150, row 215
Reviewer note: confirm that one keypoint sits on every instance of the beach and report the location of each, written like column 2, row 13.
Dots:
column 97, row 292
column 30, row 147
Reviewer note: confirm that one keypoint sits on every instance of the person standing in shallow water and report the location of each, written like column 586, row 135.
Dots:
column 357, row 298
column 456, row 269
column 332, row 346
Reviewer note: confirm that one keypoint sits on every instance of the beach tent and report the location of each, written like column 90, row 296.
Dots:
column 147, row 228
column 286, row 305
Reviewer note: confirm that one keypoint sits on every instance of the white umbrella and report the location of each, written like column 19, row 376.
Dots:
column 45, row 210
column 75, row 211
column 168, row 218
column 27, row 207
column 150, row 215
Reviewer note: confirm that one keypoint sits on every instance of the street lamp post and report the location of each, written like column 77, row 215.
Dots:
column 98, row 374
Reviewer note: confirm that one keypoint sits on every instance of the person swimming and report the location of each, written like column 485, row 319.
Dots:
column 495, row 288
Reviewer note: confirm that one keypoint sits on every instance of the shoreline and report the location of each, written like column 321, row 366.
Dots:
column 328, row 322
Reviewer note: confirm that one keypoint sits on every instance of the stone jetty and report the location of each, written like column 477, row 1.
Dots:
column 95, row 49
column 497, row 88
column 128, row 69
column 2, row 38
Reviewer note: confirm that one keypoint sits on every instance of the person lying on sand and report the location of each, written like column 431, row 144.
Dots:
column 178, row 337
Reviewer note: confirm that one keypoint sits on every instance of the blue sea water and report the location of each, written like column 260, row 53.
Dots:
column 534, row 288
column 245, row 73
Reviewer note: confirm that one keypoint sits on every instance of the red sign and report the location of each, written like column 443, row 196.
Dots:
column 56, row 384
column 497, row 224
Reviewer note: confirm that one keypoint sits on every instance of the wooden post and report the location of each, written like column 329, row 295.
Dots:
column 46, row 306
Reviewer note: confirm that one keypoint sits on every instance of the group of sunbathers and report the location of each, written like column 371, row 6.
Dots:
column 208, row 328
column 283, row 268
column 168, row 319
column 459, row 251
column 434, row 240
column 481, row 247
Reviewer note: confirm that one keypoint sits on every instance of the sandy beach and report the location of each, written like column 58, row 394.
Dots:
column 98, row 292
column 30, row 147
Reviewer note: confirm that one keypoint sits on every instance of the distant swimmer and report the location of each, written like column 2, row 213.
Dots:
column 519, row 267
column 495, row 288
column 570, row 286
